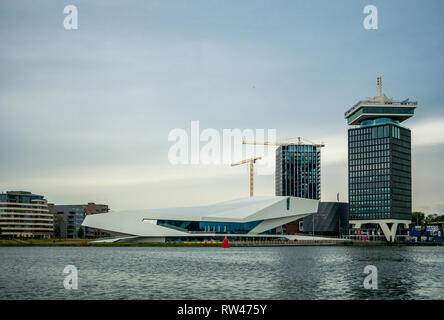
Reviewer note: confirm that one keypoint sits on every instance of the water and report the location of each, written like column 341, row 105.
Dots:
column 216, row 273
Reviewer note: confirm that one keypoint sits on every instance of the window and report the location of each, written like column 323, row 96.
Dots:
column 380, row 132
column 396, row 132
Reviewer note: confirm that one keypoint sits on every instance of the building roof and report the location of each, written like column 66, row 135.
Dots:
column 272, row 211
column 380, row 106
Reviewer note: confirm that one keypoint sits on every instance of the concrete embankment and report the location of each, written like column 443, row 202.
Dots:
column 244, row 243
column 275, row 243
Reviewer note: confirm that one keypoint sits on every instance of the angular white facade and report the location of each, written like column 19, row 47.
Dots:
column 245, row 217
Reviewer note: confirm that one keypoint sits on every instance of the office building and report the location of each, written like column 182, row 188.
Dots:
column 23, row 214
column 68, row 219
column 71, row 218
column 298, row 171
column 298, row 174
column 379, row 164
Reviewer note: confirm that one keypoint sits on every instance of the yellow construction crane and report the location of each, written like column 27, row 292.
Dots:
column 251, row 161
column 299, row 142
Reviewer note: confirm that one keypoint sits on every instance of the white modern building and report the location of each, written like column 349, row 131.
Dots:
column 255, row 217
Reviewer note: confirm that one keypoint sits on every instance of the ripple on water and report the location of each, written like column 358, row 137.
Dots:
column 215, row 273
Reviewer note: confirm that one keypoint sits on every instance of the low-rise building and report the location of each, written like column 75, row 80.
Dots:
column 248, row 218
column 331, row 219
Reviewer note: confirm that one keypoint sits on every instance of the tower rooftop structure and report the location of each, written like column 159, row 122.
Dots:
column 380, row 107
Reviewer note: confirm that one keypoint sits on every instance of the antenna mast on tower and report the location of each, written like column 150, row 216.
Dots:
column 379, row 85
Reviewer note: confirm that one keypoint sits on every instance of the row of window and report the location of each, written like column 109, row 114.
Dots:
column 8, row 226
column 20, row 199
column 382, row 167
column 402, row 192
column 299, row 148
column 299, row 173
column 401, row 180
column 357, row 192
column 368, row 203
column 369, row 143
column 300, row 156
column 371, row 178
column 17, row 222
column 403, row 159
column 370, row 157
column 359, row 166
column 367, row 182
column 401, row 170
column 23, row 211
column 377, row 174
column 368, row 151
column 20, row 205
column 363, row 216
column 401, row 146
column 371, row 197
column 374, row 131
column 370, row 209
column 379, row 156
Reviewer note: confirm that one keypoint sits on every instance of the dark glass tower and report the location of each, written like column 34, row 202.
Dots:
column 298, row 171
column 379, row 162
column 379, row 171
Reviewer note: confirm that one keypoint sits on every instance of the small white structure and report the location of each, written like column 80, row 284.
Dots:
column 248, row 217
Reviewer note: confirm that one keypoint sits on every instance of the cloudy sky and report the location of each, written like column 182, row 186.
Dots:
column 85, row 114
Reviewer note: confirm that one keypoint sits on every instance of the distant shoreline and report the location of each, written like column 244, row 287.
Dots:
column 91, row 243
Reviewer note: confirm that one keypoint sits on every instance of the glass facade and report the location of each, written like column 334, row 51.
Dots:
column 298, row 171
column 379, row 161
column 208, row 226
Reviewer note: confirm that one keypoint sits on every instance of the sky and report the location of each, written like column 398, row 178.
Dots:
column 85, row 114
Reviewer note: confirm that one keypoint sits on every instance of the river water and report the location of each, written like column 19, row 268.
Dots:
column 216, row 273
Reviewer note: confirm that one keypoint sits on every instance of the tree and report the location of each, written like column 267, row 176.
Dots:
column 58, row 223
column 418, row 217
column 430, row 218
column 434, row 218
column 80, row 233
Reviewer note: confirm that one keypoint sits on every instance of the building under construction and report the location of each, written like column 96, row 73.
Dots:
column 298, row 170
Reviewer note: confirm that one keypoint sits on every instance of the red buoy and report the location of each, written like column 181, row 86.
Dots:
column 225, row 244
